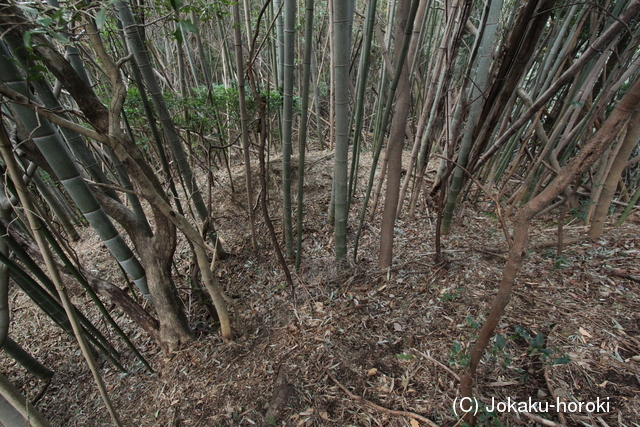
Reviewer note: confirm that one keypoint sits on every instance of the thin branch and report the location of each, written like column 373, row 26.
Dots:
column 505, row 229
column 442, row 365
column 252, row 52
column 49, row 114
column 540, row 420
column 362, row 401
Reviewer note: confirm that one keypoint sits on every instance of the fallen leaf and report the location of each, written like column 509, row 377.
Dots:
column 414, row 423
column 503, row 383
column 584, row 333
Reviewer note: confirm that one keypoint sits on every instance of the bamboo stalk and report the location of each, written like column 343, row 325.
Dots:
column 7, row 155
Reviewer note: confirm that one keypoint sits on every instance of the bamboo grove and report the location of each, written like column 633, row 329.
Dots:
column 112, row 110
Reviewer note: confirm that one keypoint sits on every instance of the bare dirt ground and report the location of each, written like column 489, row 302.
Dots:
column 365, row 347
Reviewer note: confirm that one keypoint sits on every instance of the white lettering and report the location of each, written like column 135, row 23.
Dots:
column 493, row 405
column 560, row 404
column 600, row 406
column 468, row 400
column 531, row 406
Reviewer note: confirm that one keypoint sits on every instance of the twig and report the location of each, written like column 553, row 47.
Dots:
column 553, row 394
column 618, row 273
column 361, row 400
column 493, row 198
column 493, row 254
column 540, row 420
column 442, row 365
column 41, row 393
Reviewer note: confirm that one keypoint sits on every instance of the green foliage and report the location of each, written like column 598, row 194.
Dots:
column 205, row 10
column 209, row 113
column 450, row 297
column 581, row 211
column 537, row 347
column 498, row 351
column 491, row 215
column 458, row 356
column 50, row 21
column 486, row 418
column 560, row 262
column 101, row 18
column 472, row 323
column 405, row 357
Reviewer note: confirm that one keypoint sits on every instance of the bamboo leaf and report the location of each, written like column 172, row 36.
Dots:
column 188, row 26
column 101, row 17
column 178, row 35
column 27, row 9
column 176, row 4
column 45, row 21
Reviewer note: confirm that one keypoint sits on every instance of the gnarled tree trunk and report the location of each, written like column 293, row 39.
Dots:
column 627, row 108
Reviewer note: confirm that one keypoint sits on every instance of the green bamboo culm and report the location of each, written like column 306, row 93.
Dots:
column 485, row 42
column 57, row 155
column 242, row 100
column 47, row 193
column 25, row 259
column 287, row 122
column 141, row 55
column 76, row 142
column 384, row 119
column 360, row 91
column 94, row 297
column 34, row 224
column 342, row 50
column 306, row 76
column 55, row 311
column 15, row 408
column 157, row 138
column 28, row 362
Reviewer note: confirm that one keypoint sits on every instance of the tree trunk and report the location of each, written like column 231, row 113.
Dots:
column 138, row 49
column 157, row 256
column 611, row 182
column 404, row 26
column 108, row 132
column 615, row 123
column 287, row 123
column 478, row 82
column 244, row 122
column 341, row 49
column 304, row 119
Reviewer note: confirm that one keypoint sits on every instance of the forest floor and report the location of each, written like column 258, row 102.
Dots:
column 365, row 347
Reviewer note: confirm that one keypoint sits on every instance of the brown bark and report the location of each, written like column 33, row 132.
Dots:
column 155, row 250
column 595, row 48
column 156, row 253
column 520, row 47
column 628, row 106
column 611, row 182
column 103, row 287
column 396, row 143
column 127, row 304
column 157, row 257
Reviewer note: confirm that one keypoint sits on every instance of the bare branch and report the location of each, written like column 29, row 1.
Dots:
column 52, row 116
